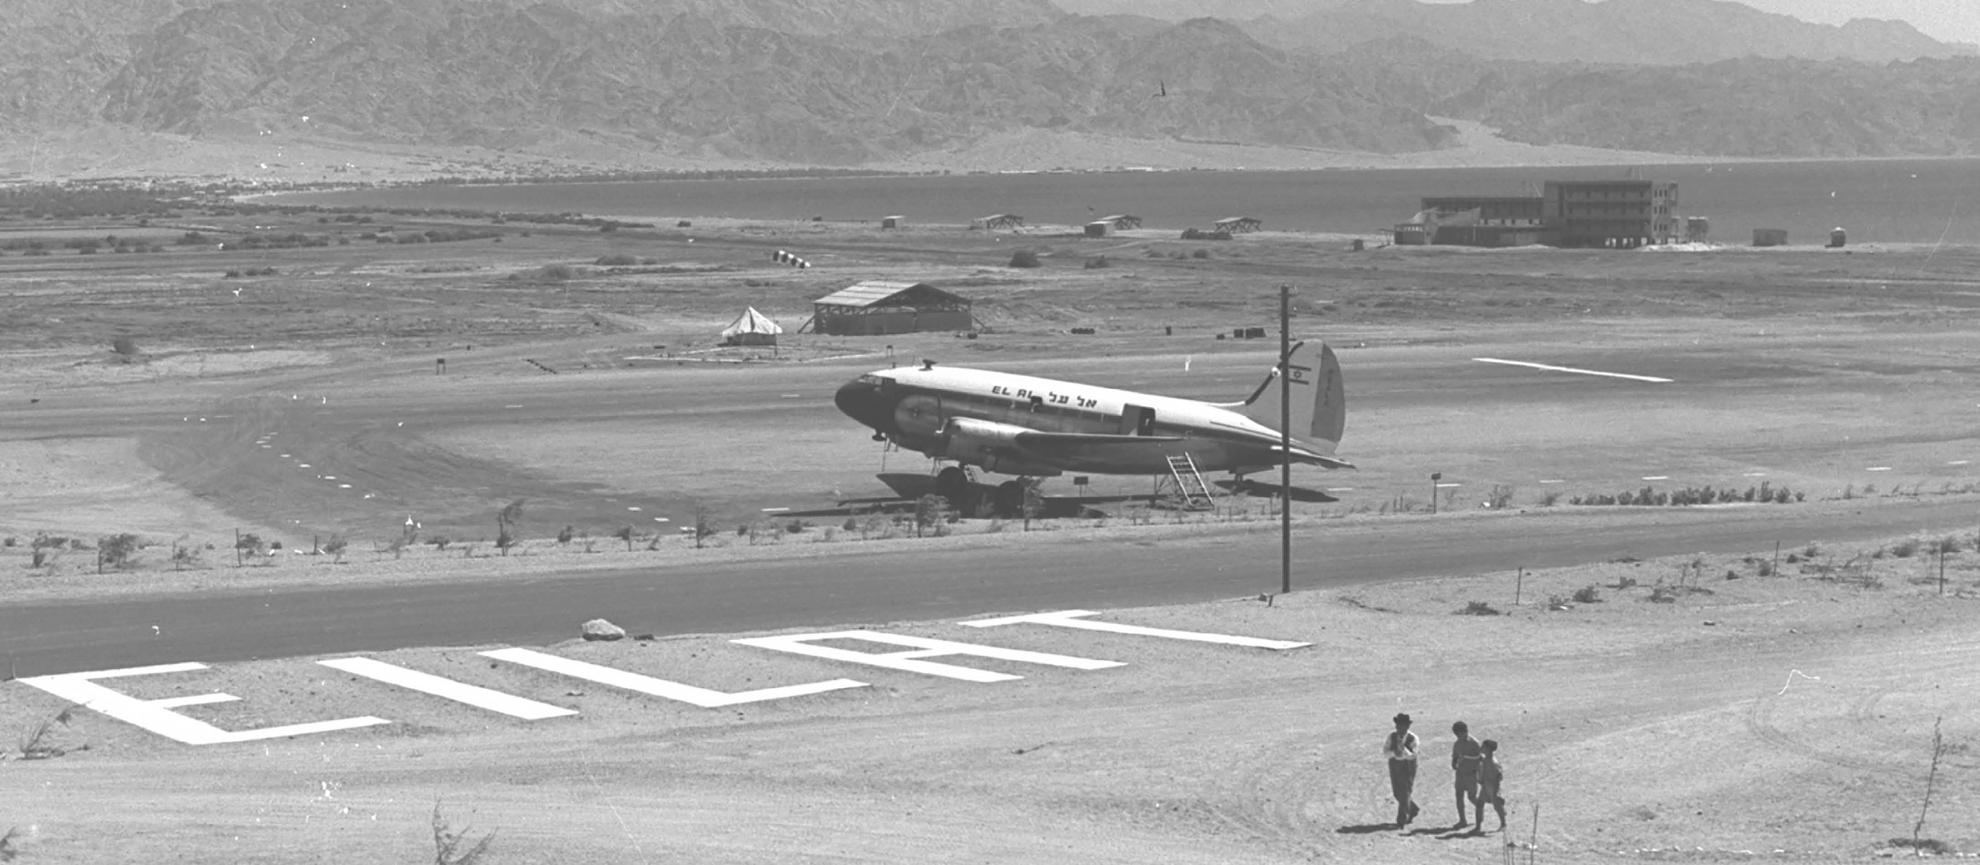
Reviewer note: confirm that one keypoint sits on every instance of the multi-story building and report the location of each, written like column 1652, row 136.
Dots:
column 1611, row 213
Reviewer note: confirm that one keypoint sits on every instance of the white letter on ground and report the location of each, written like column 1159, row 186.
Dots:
column 157, row 715
column 923, row 648
column 1074, row 619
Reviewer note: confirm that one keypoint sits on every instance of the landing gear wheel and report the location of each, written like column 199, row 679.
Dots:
column 952, row 483
column 1010, row 499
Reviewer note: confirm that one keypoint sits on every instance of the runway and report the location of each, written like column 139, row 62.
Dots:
column 358, row 451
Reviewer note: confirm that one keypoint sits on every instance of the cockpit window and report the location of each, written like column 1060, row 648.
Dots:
column 871, row 379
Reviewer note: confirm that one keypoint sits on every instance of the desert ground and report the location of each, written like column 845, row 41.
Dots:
column 1792, row 680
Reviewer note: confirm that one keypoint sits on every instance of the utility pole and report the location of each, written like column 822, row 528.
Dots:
column 1285, row 439
column 1434, row 478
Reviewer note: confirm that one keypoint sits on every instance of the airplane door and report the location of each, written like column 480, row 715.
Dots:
column 1137, row 420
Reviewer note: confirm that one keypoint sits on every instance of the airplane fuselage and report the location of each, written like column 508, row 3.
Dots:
column 1024, row 425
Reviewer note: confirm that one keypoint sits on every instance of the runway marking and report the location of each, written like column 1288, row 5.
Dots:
column 158, row 716
column 459, row 692
column 343, row 486
column 1957, row 463
column 302, row 465
column 1441, row 486
column 1553, row 481
column 633, row 508
column 1878, row 469
column 512, row 406
column 922, row 647
column 1072, row 619
column 703, row 697
column 1656, row 477
column 788, row 395
column 1754, row 475
column 329, row 477
column 1340, row 489
column 1575, row 370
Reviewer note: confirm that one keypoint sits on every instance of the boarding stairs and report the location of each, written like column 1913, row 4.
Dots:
column 1184, row 485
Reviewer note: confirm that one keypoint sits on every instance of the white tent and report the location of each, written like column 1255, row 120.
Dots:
column 751, row 328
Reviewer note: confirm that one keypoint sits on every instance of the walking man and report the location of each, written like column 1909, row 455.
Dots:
column 1465, row 757
column 1401, row 750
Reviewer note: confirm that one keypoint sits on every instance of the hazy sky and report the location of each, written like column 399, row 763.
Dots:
column 1944, row 20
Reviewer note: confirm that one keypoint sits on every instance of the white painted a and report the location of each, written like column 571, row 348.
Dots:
column 1077, row 619
column 158, row 716
column 922, row 648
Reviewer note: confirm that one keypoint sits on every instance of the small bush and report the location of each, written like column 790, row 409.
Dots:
column 1664, row 594
column 1025, row 258
column 439, row 542
column 1478, row 608
column 1199, row 253
column 117, row 550
column 1097, row 262
column 1906, row 548
column 1587, row 595
column 336, row 546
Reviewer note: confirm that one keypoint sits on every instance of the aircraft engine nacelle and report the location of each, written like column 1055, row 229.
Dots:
column 989, row 444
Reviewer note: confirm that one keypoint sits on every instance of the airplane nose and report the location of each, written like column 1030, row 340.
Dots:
column 862, row 402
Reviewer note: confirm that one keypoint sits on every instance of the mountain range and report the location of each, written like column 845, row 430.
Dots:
column 855, row 82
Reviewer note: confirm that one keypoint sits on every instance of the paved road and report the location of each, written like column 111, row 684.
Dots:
column 39, row 639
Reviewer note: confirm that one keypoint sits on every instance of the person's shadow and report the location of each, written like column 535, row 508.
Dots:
column 1366, row 828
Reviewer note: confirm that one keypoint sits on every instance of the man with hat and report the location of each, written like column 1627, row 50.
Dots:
column 1401, row 750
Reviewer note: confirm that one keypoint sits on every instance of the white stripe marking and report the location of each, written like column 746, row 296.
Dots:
column 690, row 694
column 158, row 717
column 459, row 692
column 1577, row 371
column 913, row 661
column 1878, row 469
column 193, row 700
column 1553, row 481
column 1957, row 463
column 1656, row 477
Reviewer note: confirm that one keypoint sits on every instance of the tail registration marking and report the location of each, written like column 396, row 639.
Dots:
column 1575, row 370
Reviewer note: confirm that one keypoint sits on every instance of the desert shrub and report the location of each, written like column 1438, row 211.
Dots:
column 1625, row 582
column 1905, row 549
column 625, row 534
column 929, row 511
column 1664, row 594
column 851, row 524
column 1943, row 546
column 565, row 534
column 1199, row 253
column 617, row 260
column 1097, row 262
column 117, row 550
column 250, row 544
column 1500, row 497
column 1025, row 258
column 1587, row 595
column 336, row 546
column 439, row 542
column 124, row 346
column 797, row 526
column 1550, row 498
column 1478, row 608
column 1558, row 602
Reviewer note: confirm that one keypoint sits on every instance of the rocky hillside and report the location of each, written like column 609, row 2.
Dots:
column 1645, row 32
column 850, row 82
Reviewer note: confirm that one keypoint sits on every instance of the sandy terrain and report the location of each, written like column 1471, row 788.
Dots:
column 1683, row 709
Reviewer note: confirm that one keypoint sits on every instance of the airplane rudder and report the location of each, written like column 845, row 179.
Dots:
column 1330, row 398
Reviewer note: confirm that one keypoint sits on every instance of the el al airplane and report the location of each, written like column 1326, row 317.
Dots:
column 1038, row 427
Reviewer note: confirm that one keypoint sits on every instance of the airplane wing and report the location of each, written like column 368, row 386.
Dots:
column 1052, row 439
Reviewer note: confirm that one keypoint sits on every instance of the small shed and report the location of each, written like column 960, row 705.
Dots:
column 1099, row 228
column 879, row 306
column 751, row 328
column 996, row 221
column 1239, row 224
column 892, row 221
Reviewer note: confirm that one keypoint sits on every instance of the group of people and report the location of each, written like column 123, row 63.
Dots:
column 1474, row 763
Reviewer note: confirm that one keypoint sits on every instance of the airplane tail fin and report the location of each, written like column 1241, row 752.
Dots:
column 1318, row 401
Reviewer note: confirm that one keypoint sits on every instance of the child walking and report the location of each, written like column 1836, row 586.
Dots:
column 1490, row 774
